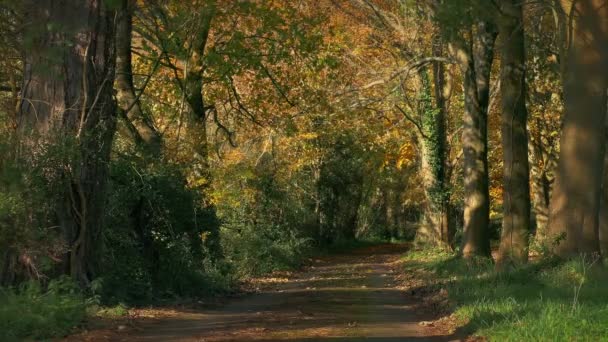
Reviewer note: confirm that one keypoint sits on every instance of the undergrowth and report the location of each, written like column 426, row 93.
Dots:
column 34, row 311
column 38, row 313
column 347, row 245
column 546, row 300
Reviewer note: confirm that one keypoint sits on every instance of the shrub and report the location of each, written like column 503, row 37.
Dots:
column 160, row 237
column 256, row 250
column 34, row 312
column 30, row 239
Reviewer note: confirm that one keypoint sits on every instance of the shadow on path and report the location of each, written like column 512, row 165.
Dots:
column 348, row 297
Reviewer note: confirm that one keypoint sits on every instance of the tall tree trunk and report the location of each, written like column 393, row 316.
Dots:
column 516, row 174
column 140, row 125
column 575, row 201
column 8, row 266
column 603, row 218
column 475, row 60
column 442, row 93
column 193, row 83
column 389, row 213
column 67, row 96
column 540, row 168
column 435, row 228
column 316, row 171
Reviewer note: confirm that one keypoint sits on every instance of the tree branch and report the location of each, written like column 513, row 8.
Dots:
column 407, row 70
column 413, row 121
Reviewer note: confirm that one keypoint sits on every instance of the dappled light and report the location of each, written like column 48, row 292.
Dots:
column 344, row 296
column 311, row 170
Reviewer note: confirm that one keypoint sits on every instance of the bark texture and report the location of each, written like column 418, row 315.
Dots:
column 67, row 98
column 193, row 84
column 516, row 172
column 575, row 201
column 436, row 227
column 603, row 217
column 475, row 60
column 542, row 168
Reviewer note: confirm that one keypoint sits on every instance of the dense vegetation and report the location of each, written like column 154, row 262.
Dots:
column 167, row 149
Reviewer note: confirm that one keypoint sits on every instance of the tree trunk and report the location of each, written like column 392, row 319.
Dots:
column 603, row 218
column 541, row 166
column 139, row 124
column 516, row 174
column 8, row 267
column 575, row 202
column 435, row 227
column 476, row 62
column 67, row 98
column 389, row 212
column 442, row 93
column 193, row 83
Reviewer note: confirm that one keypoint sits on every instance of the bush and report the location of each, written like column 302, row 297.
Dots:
column 160, row 237
column 256, row 250
column 30, row 239
column 265, row 225
column 36, row 313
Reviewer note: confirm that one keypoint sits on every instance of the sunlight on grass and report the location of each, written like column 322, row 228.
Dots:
column 112, row 312
column 546, row 300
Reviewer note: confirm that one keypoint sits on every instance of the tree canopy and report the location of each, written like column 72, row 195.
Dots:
column 154, row 148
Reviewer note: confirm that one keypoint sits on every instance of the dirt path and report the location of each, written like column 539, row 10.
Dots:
column 339, row 298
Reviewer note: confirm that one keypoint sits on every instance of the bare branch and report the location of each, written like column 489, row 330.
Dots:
column 408, row 69
column 221, row 127
column 413, row 121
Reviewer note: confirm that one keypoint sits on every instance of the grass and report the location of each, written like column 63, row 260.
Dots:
column 112, row 312
column 546, row 300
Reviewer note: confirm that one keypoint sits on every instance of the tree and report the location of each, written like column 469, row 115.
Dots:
column 475, row 59
column 140, row 126
column 544, row 102
column 433, row 157
column 471, row 32
column 575, row 201
column 392, row 24
column 516, row 174
column 179, row 38
column 476, row 69
column 192, row 86
column 603, row 218
column 443, row 90
column 67, row 97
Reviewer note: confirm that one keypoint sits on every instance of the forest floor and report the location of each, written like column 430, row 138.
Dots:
column 359, row 295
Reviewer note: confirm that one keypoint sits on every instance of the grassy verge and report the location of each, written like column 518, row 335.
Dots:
column 543, row 301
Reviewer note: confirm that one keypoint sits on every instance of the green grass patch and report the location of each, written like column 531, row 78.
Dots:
column 111, row 312
column 546, row 300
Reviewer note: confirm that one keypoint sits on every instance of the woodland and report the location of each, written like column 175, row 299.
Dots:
column 161, row 150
